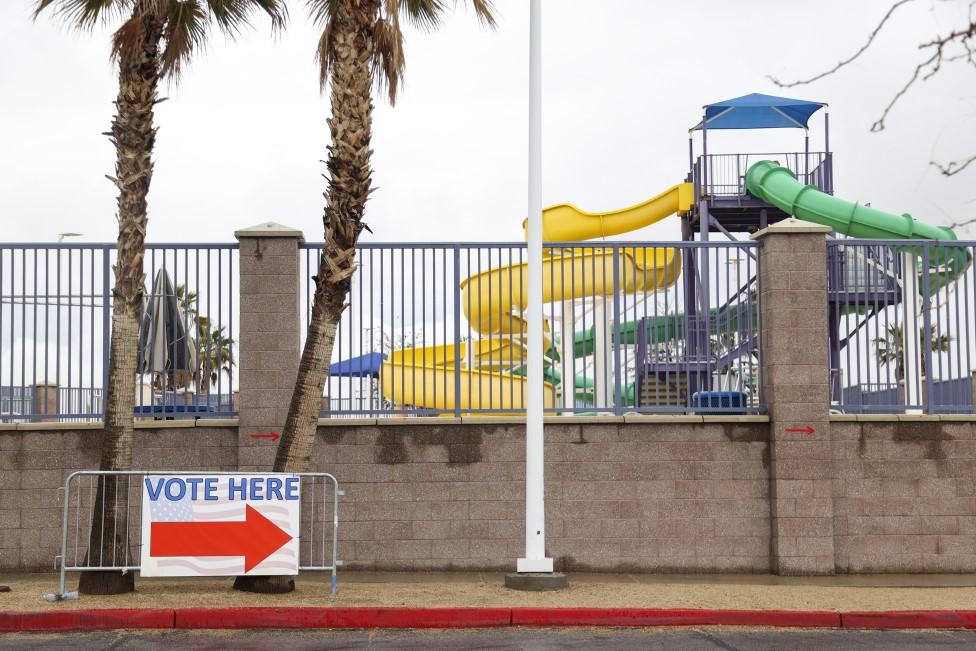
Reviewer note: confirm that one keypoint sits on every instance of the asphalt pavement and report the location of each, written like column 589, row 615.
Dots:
column 497, row 640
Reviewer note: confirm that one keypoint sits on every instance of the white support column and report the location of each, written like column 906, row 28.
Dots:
column 567, row 361
column 602, row 354
column 912, row 349
column 535, row 509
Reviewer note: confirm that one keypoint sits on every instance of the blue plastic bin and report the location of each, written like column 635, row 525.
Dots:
column 719, row 402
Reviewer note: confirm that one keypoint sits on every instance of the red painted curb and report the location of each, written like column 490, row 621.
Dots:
column 671, row 617
column 910, row 619
column 263, row 617
column 255, row 617
column 86, row 620
column 299, row 617
column 420, row 617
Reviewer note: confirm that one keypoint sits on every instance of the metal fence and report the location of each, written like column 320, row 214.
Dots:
column 902, row 326
column 724, row 175
column 84, row 526
column 55, row 320
column 439, row 329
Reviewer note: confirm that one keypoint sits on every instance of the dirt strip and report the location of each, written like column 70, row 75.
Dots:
column 476, row 590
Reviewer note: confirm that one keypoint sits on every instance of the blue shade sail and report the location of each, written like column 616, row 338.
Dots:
column 758, row 111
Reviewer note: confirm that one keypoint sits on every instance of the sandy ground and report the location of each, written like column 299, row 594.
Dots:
column 474, row 589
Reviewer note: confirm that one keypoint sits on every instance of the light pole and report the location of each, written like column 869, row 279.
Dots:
column 534, row 571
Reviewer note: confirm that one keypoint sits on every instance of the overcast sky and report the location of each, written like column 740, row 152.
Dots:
column 241, row 137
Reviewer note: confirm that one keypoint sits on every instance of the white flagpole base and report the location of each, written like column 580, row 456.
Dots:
column 533, row 565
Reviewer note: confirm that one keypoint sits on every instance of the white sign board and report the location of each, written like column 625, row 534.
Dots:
column 220, row 525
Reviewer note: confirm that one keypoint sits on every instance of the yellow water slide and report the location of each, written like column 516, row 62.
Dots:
column 494, row 301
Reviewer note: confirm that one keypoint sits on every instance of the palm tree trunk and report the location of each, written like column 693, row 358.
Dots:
column 133, row 135
column 349, row 186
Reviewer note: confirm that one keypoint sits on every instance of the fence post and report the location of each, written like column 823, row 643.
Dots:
column 618, row 407
column 457, row 332
column 106, row 321
column 270, row 328
column 926, row 343
column 795, row 371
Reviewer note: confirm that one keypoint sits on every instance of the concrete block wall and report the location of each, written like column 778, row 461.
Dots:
column 677, row 497
column 689, row 495
column 904, row 495
column 34, row 464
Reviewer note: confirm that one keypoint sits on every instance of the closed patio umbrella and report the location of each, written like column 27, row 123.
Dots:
column 165, row 347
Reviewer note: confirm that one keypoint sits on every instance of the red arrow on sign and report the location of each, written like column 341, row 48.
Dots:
column 270, row 435
column 806, row 430
column 255, row 538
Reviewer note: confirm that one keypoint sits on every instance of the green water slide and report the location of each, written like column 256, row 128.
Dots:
column 668, row 327
column 778, row 186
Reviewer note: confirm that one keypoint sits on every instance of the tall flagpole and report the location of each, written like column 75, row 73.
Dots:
column 535, row 509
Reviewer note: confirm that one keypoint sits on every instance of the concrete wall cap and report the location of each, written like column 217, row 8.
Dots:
column 731, row 418
column 58, row 426
column 270, row 229
column 216, row 422
column 346, row 422
column 164, row 424
column 663, row 418
column 139, row 424
column 791, row 226
column 418, row 420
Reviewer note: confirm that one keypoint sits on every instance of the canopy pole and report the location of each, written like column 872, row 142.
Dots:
column 806, row 156
column 829, row 171
column 704, row 131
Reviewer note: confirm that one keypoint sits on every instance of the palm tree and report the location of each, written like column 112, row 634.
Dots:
column 214, row 349
column 154, row 42
column 890, row 348
column 361, row 44
column 215, row 354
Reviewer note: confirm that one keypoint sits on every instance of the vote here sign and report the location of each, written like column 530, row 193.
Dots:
column 220, row 525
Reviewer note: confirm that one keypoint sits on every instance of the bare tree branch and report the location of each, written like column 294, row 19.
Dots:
column 953, row 167
column 931, row 66
column 923, row 71
column 962, row 224
column 848, row 60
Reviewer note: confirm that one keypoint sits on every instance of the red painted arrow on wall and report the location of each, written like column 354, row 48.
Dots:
column 255, row 538
column 270, row 435
column 806, row 430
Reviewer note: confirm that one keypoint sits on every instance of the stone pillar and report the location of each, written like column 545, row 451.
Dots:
column 793, row 272
column 269, row 337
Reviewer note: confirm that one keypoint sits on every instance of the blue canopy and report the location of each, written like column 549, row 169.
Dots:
column 367, row 365
column 758, row 111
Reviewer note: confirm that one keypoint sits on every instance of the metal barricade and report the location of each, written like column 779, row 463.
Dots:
column 318, row 520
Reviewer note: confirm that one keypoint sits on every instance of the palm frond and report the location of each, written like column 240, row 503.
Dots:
column 425, row 14
column 231, row 16
column 485, row 10
column 184, row 34
column 388, row 62
column 85, row 14
column 325, row 52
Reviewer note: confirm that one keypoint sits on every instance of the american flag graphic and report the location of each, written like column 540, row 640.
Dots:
column 283, row 514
